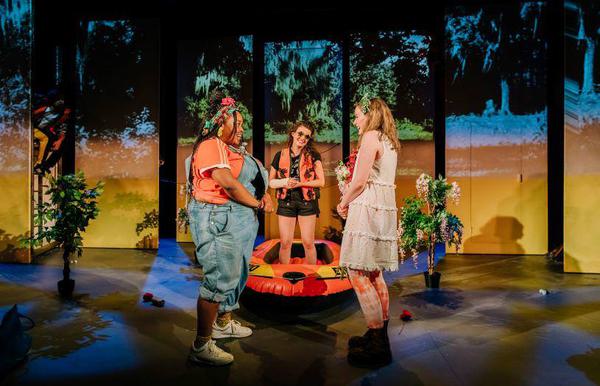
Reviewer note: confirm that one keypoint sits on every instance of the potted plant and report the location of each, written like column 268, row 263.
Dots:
column 71, row 207
column 425, row 221
column 183, row 220
column 150, row 222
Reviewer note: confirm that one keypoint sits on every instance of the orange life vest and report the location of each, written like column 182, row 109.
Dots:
column 306, row 170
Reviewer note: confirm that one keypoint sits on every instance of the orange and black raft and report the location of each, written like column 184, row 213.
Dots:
column 297, row 285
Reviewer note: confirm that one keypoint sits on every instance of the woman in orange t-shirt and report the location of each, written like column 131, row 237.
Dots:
column 228, row 187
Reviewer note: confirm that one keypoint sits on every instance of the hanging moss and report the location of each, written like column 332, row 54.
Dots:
column 304, row 82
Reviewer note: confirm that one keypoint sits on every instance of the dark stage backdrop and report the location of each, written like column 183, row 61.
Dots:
column 204, row 65
column 15, row 127
column 496, row 125
column 303, row 81
column 395, row 67
column 117, row 128
column 582, row 136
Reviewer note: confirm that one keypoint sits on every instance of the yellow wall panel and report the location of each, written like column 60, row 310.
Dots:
column 582, row 137
column 117, row 129
column 15, row 129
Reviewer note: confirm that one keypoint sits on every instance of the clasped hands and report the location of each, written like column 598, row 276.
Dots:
column 266, row 204
column 342, row 210
column 292, row 183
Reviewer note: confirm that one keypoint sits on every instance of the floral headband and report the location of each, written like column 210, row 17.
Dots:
column 228, row 107
column 364, row 103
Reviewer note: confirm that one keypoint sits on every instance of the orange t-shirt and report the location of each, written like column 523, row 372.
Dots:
column 213, row 154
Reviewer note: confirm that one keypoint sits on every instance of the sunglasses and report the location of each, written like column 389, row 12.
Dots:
column 301, row 134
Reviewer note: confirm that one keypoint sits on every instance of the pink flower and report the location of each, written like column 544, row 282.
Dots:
column 420, row 235
column 227, row 101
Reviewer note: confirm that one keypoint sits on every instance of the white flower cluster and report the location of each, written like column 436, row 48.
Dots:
column 423, row 185
column 342, row 173
column 454, row 193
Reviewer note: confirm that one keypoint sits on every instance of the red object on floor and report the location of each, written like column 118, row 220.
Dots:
column 147, row 297
column 406, row 315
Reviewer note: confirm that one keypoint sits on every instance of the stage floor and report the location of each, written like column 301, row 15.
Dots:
column 488, row 325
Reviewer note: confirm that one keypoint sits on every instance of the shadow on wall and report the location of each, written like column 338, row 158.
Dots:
column 10, row 250
column 498, row 235
column 571, row 263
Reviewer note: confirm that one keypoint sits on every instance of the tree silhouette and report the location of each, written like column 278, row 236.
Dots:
column 588, row 34
column 15, row 63
column 393, row 65
column 224, row 63
column 118, row 74
column 504, row 44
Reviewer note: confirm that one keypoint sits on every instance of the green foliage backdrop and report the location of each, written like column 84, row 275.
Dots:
column 303, row 81
column 394, row 67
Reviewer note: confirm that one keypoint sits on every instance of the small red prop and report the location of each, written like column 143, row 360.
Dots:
column 406, row 315
column 147, row 297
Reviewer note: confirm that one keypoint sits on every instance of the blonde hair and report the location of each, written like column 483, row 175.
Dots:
column 379, row 117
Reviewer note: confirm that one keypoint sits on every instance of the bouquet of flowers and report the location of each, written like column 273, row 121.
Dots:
column 344, row 171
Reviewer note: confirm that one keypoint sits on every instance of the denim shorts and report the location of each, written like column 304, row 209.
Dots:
column 224, row 236
column 295, row 205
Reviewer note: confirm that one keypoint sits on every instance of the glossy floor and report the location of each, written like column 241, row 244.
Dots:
column 488, row 325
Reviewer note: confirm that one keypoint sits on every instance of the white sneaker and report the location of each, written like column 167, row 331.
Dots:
column 210, row 354
column 233, row 329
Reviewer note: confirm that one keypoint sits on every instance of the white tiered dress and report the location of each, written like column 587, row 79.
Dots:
column 370, row 236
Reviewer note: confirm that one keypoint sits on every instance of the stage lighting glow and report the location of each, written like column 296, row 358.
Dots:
column 496, row 125
column 204, row 65
column 582, row 136
column 117, row 128
column 15, row 127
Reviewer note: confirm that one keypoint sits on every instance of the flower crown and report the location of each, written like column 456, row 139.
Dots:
column 364, row 103
column 228, row 107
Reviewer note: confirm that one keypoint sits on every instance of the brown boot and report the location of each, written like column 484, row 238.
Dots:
column 375, row 352
column 358, row 341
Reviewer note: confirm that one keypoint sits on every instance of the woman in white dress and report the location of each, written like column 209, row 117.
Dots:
column 370, row 245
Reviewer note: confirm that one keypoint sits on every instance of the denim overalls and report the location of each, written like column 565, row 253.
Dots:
column 224, row 236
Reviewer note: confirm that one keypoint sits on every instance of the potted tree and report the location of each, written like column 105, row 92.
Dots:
column 150, row 222
column 425, row 221
column 71, row 207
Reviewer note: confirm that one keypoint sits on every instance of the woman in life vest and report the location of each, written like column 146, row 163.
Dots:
column 297, row 174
